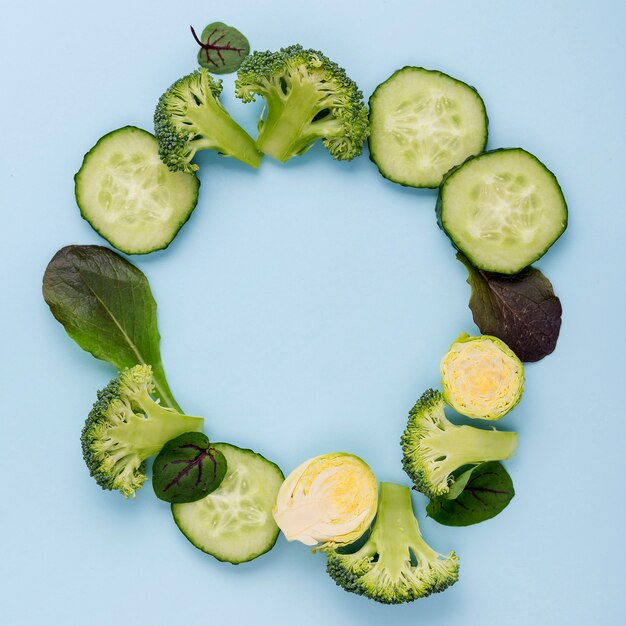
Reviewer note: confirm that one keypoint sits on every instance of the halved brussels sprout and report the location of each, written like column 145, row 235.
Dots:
column 330, row 499
column 481, row 377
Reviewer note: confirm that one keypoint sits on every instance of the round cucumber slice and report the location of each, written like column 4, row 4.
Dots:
column 235, row 522
column 502, row 209
column 423, row 123
column 129, row 196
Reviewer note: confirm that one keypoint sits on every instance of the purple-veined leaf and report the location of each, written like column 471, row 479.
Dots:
column 222, row 48
column 521, row 310
column 187, row 469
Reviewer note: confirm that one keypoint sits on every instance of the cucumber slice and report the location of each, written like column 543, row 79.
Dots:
column 423, row 123
column 235, row 522
column 502, row 209
column 129, row 196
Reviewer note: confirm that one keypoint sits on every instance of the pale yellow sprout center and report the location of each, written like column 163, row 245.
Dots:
column 330, row 500
column 481, row 377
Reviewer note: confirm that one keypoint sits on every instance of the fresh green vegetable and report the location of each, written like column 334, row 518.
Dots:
column 423, row 123
column 125, row 427
column 187, row 469
column 307, row 97
column 481, row 377
column 502, row 209
column 222, row 48
column 106, row 306
column 434, row 448
column 129, row 197
column 235, row 523
column 522, row 309
column 330, row 499
column 480, row 494
column 395, row 564
column 189, row 117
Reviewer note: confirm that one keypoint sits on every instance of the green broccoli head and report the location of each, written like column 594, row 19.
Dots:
column 125, row 427
column 395, row 564
column 434, row 448
column 308, row 97
column 190, row 117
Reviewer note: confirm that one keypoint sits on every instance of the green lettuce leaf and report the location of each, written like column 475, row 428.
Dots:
column 106, row 306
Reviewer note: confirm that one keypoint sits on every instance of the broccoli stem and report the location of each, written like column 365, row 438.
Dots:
column 285, row 131
column 457, row 446
column 160, row 425
column 220, row 132
column 397, row 520
column 476, row 445
column 155, row 431
column 394, row 519
column 466, row 445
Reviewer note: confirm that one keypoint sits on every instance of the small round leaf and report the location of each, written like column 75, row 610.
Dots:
column 222, row 48
column 187, row 469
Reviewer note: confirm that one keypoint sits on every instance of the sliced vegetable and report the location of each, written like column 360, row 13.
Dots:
column 187, row 469
column 486, row 491
column 522, row 309
column 125, row 427
column 395, row 564
column 423, row 123
column 435, row 450
column 128, row 195
column 189, row 117
column 235, row 523
column 502, row 209
column 106, row 306
column 330, row 499
column 481, row 377
column 308, row 98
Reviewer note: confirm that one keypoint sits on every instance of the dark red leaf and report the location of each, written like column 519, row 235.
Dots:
column 520, row 309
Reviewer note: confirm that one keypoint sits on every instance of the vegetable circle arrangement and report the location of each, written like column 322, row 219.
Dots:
column 501, row 209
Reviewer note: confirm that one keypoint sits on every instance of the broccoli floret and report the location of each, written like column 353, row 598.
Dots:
column 308, row 97
column 189, row 117
column 125, row 427
column 434, row 448
column 395, row 564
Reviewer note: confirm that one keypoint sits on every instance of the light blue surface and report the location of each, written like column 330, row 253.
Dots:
column 305, row 307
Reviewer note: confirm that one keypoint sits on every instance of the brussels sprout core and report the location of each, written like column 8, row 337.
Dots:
column 331, row 500
column 481, row 377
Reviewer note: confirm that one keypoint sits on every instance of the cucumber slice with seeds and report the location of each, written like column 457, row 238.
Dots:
column 129, row 196
column 502, row 209
column 235, row 522
column 423, row 123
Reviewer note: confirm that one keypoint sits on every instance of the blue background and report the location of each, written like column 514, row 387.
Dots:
column 305, row 307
